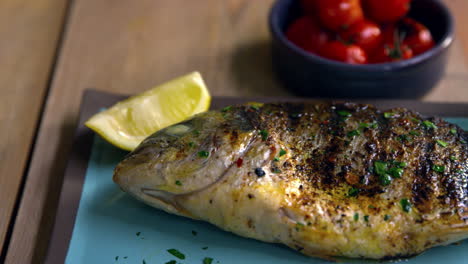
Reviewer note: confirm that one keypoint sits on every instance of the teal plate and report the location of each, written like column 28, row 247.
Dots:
column 112, row 227
column 97, row 223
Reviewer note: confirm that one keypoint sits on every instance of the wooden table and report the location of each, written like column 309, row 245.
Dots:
column 125, row 47
column 29, row 32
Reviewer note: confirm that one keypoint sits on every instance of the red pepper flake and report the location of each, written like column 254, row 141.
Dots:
column 326, row 122
column 351, row 178
column 239, row 162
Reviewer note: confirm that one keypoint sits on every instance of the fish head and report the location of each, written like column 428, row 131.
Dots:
column 184, row 158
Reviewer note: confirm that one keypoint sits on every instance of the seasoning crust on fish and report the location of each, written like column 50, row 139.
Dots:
column 326, row 179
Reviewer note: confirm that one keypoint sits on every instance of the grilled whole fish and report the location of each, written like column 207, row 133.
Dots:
column 326, row 179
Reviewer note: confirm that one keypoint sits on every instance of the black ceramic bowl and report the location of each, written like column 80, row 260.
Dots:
column 311, row 75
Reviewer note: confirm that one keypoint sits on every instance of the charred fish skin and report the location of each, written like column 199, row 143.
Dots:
column 327, row 179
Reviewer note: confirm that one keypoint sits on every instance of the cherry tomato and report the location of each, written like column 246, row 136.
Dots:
column 389, row 33
column 393, row 48
column 389, row 53
column 418, row 37
column 307, row 34
column 309, row 6
column 365, row 34
column 385, row 11
column 339, row 14
column 337, row 50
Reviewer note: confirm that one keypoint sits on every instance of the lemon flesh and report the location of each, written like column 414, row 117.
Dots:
column 129, row 122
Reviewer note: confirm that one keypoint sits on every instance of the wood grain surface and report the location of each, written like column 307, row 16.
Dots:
column 126, row 46
column 459, row 9
column 29, row 31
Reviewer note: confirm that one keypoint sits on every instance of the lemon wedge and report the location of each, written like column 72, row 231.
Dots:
column 127, row 123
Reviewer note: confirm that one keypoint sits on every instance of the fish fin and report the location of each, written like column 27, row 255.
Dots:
column 166, row 201
column 454, row 233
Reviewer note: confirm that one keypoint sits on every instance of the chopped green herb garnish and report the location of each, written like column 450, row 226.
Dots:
column 414, row 133
column 207, row 260
column 191, row 144
column 116, row 258
column 429, row 124
column 371, row 206
column 282, row 152
column 380, row 167
column 203, row 154
column 354, row 133
column 196, row 132
column 453, row 158
column 366, row 218
column 125, row 257
column 395, row 172
column 356, row 217
column 388, row 115
column 276, row 170
column 364, row 125
column 256, row 107
column 176, row 253
column 404, row 138
column 401, row 164
column 227, row 108
column 177, row 183
column 353, row 191
column 204, row 248
column 368, row 125
column 144, row 262
column 299, row 225
column 442, row 143
column 194, row 232
column 138, row 233
column 171, row 262
column 463, row 141
column 264, row 134
column 415, row 120
column 276, row 159
column 386, row 217
column 343, row 113
column 453, row 131
column 438, row 168
column 385, row 179
column 405, row 205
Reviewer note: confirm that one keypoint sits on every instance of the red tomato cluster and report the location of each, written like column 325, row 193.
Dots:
column 359, row 31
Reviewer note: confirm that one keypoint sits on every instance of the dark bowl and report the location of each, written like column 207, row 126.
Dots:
column 311, row 75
